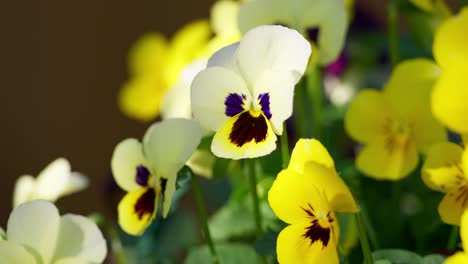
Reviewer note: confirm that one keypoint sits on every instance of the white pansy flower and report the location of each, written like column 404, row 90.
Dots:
column 54, row 182
column 246, row 93
column 37, row 234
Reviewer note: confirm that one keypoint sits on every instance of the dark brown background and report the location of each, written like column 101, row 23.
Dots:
column 61, row 65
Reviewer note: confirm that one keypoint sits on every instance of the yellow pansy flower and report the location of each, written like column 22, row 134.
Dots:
column 148, row 171
column 451, row 90
column 306, row 195
column 461, row 257
column 396, row 124
column 445, row 170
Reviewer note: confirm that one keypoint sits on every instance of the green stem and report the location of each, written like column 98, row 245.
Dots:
column 393, row 32
column 453, row 238
column 285, row 147
column 256, row 202
column 366, row 251
column 314, row 85
column 116, row 245
column 204, row 218
column 300, row 109
column 372, row 235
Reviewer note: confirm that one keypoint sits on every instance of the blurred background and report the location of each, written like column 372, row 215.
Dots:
column 61, row 65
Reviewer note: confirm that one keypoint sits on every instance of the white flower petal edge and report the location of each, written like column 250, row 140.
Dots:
column 224, row 57
column 13, row 253
column 24, row 190
column 35, row 225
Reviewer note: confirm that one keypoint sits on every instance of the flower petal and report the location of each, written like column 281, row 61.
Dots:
column 450, row 96
column 325, row 179
column 209, row 91
column 464, row 230
column 457, row 258
column 442, row 169
column 224, row 17
column 148, row 55
column 307, row 150
column 274, row 48
column 292, row 193
column 292, row 247
column 35, row 225
column 450, row 40
column 87, row 241
column 51, row 182
column 127, row 156
column 454, row 203
column 388, row 158
column 72, row 260
column 244, row 136
column 14, row 253
column 264, row 12
column 201, row 163
column 76, row 182
column 225, row 58
column 24, row 190
column 368, row 116
column 169, row 144
column 168, row 188
column 137, row 210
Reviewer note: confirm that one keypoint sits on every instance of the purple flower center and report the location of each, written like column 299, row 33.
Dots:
column 264, row 99
column 234, row 104
column 142, row 175
column 248, row 128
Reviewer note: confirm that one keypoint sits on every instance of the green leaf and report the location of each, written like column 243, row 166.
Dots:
column 229, row 253
column 266, row 245
column 433, row 259
column 397, row 256
column 383, row 261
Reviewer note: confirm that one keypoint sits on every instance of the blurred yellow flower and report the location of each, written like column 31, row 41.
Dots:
column 395, row 125
column 461, row 257
column 306, row 195
column 445, row 171
column 451, row 90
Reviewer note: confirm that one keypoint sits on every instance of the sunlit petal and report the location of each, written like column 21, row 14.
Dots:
column 24, row 190
column 307, row 150
column 453, row 205
column 457, row 258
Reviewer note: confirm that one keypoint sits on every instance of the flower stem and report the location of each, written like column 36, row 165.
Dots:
column 300, row 108
column 204, row 218
column 285, row 147
column 393, row 32
column 314, row 85
column 256, row 202
column 453, row 238
column 366, row 251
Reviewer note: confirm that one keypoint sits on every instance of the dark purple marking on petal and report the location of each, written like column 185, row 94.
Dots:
column 234, row 104
column 315, row 232
column 264, row 99
column 313, row 34
column 146, row 203
column 142, row 175
column 248, row 128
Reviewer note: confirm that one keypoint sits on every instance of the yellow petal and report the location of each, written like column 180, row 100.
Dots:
column 244, row 136
column 442, row 169
column 388, row 157
column 368, row 116
column 458, row 258
column 464, row 161
column 450, row 96
column 326, row 180
column 224, row 17
column 137, row 210
column 307, row 150
column 464, row 230
column 292, row 193
column 141, row 98
column 148, row 55
column 453, row 205
column 450, row 41
column 292, row 247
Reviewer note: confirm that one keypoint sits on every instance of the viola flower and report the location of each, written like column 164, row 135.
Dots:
column 148, row 171
column 55, row 181
column 396, row 124
column 461, row 257
column 306, row 195
column 323, row 22
column 451, row 90
column 445, row 171
column 246, row 93
column 36, row 233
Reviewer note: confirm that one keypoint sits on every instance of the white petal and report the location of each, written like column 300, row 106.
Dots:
column 24, row 190
column 128, row 155
column 80, row 238
column 265, row 12
column 168, row 194
column 225, row 57
column 209, row 90
column 35, row 225
column 274, row 48
column 72, row 261
column 170, row 143
column 224, row 17
column 77, row 182
column 51, row 182
column 11, row 253
column 280, row 87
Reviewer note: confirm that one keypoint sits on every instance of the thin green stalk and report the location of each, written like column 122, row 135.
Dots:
column 314, row 86
column 393, row 38
column 285, row 147
column 371, row 234
column 204, row 218
column 453, row 238
column 116, row 245
column 366, row 250
column 300, row 109
column 253, row 190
